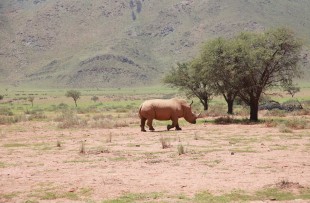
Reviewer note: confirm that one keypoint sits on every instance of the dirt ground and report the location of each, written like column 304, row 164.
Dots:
column 41, row 163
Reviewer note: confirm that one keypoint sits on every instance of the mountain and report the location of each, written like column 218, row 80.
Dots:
column 117, row 43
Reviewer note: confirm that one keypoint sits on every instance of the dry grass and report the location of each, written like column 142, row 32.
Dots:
column 165, row 142
column 271, row 123
column 224, row 120
column 181, row 149
column 297, row 123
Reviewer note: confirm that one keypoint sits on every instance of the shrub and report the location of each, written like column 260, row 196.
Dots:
column 82, row 148
column 270, row 123
column 109, row 138
column 100, row 117
column 244, row 111
column 181, row 149
column 11, row 119
column 165, row 143
column 101, row 123
column 63, row 106
column 276, row 112
column 301, row 112
column 95, row 98
column 217, row 110
column 106, row 123
column 69, row 119
column 37, row 116
column 297, row 123
column 224, row 120
column 6, row 111
column 284, row 129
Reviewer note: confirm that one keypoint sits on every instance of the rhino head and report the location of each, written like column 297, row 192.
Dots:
column 189, row 116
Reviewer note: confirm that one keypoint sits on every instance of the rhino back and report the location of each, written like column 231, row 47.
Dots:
column 161, row 109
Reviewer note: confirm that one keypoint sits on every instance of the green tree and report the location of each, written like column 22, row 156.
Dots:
column 217, row 62
column 263, row 61
column 188, row 77
column 74, row 94
column 1, row 97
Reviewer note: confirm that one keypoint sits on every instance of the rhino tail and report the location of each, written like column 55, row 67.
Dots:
column 140, row 111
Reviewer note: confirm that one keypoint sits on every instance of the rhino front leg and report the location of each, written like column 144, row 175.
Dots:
column 150, row 124
column 143, row 124
column 175, row 124
column 177, row 127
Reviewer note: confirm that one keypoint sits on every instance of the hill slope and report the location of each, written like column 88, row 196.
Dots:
column 77, row 43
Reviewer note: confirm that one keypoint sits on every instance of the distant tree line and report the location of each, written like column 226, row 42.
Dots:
column 245, row 66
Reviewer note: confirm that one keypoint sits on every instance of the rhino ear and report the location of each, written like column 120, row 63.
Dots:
column 191, row 103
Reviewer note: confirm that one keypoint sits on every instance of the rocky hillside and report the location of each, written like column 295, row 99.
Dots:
column 116, row 43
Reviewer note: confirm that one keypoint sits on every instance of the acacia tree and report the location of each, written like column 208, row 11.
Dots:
column 74, row 94
column 217, row 59
column 188, row 77
column 263, row 61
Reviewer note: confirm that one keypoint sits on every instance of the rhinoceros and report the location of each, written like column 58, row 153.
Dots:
column 166, row 109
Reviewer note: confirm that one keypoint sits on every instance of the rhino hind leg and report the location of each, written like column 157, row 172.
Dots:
column 149, row 123
column 143, row 124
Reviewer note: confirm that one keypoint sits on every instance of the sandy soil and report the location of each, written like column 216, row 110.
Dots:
column 218, row 159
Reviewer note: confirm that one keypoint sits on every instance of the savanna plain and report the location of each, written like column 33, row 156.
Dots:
column 53, row 151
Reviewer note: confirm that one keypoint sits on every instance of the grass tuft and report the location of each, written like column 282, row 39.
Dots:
column 181, row 149
column 165, row 143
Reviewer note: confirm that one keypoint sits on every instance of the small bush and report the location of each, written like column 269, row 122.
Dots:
column 6, row 111
column 297, row 123
column 101, row 117
column 181, row 149
column 109, row 138
column 12, row 119
column 165, row 143
column 271, row 123
column 196, row 137
column 82, row 148
column 284, row 129
column 95, row 98
column 276, row 112
column 69, row 119
column 224, row 120
column 63, row 106
column 58, row 144
column 217, row 110
column 101, row 123
column 301, row 112
column 107, row 123
column 35, row 114
column 91, row 109
column 242, row 111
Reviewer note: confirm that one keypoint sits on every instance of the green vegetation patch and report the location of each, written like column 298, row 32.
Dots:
column 134, row 197
column 54, row 193
column 15, row 145
column 235, row 196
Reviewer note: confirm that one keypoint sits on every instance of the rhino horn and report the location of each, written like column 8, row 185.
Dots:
column 199, row 115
